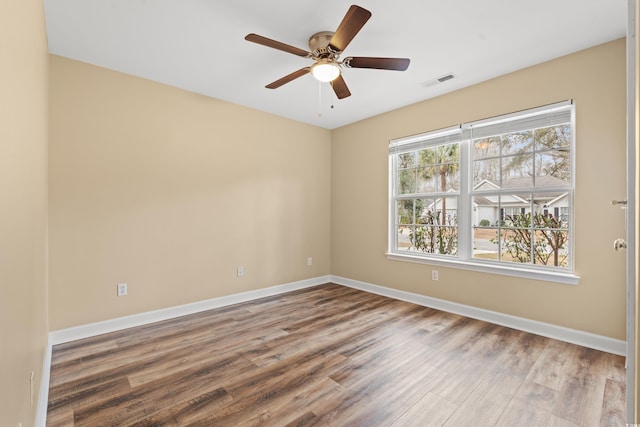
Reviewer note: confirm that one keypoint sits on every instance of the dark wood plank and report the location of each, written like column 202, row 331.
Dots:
column 331, row 356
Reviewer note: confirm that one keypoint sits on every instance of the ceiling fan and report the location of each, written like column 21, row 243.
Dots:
column 326, row 48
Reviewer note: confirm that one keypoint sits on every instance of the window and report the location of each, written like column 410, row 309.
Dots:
column 496, row 192
column 427, row 199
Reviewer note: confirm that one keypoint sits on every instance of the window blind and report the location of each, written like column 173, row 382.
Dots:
column 449, row 135
column 546, row 116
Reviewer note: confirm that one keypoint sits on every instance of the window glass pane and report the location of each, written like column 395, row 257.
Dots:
column 407, row 181
column 515, row 245
column 449, row 177
column 404, row 212
column 427, row 180
column 427, row 157
column 488, row 170
column 406, row 160
column 486, row 147
column 517, row 171
column 553, row 138
column 423, row 239
column 447, row 211
column 446, row 240
column 517, row 143
column 510, row 217
column 485, row 243
column 550, row 247
column 514, row 210
column 404, row 238
column 563, row 216
column 553, row 168
column 449, row 153
column 486, row 210
column 435, row 239
column 424, row 211
column 551, row 210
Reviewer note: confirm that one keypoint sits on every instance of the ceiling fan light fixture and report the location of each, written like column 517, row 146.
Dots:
column 325, row 71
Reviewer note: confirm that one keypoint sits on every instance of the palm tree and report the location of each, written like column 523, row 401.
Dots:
column 445, row 160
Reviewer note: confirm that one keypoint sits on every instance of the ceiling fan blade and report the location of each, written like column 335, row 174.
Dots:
column 289, row 77
column 255, row 38
column 352, row 22
column 398, row 64
column 340, row 88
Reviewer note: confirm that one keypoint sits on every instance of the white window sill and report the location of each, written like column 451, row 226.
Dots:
column 505, row 270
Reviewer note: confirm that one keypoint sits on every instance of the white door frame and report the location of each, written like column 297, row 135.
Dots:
column 632, row 118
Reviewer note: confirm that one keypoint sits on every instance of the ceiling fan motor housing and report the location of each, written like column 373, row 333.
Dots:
column 319, row 45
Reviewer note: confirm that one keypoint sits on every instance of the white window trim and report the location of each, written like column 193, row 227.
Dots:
column 464, row 259
column 481, row 267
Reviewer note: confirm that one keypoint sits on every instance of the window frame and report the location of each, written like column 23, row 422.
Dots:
column 464, row 258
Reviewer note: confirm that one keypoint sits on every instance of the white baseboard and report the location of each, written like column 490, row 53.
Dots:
column 112, row 325
column 573, row 336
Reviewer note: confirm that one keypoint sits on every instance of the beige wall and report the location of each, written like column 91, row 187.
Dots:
column 595, row 79
column 23, row 206
column 170, row 191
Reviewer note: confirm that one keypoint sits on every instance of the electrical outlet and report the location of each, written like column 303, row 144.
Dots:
column 309, row 261
column 122, row 289
column 434, row 274
column 240, row 271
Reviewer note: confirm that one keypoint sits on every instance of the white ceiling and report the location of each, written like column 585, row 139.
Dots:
column 199, row 45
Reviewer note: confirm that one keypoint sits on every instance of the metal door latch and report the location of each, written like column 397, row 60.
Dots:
column 619, row 244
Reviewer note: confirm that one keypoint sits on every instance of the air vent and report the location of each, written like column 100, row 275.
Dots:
column 437, row 80
column 445, row 78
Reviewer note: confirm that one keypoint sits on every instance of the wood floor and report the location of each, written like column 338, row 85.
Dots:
column 332, row 356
